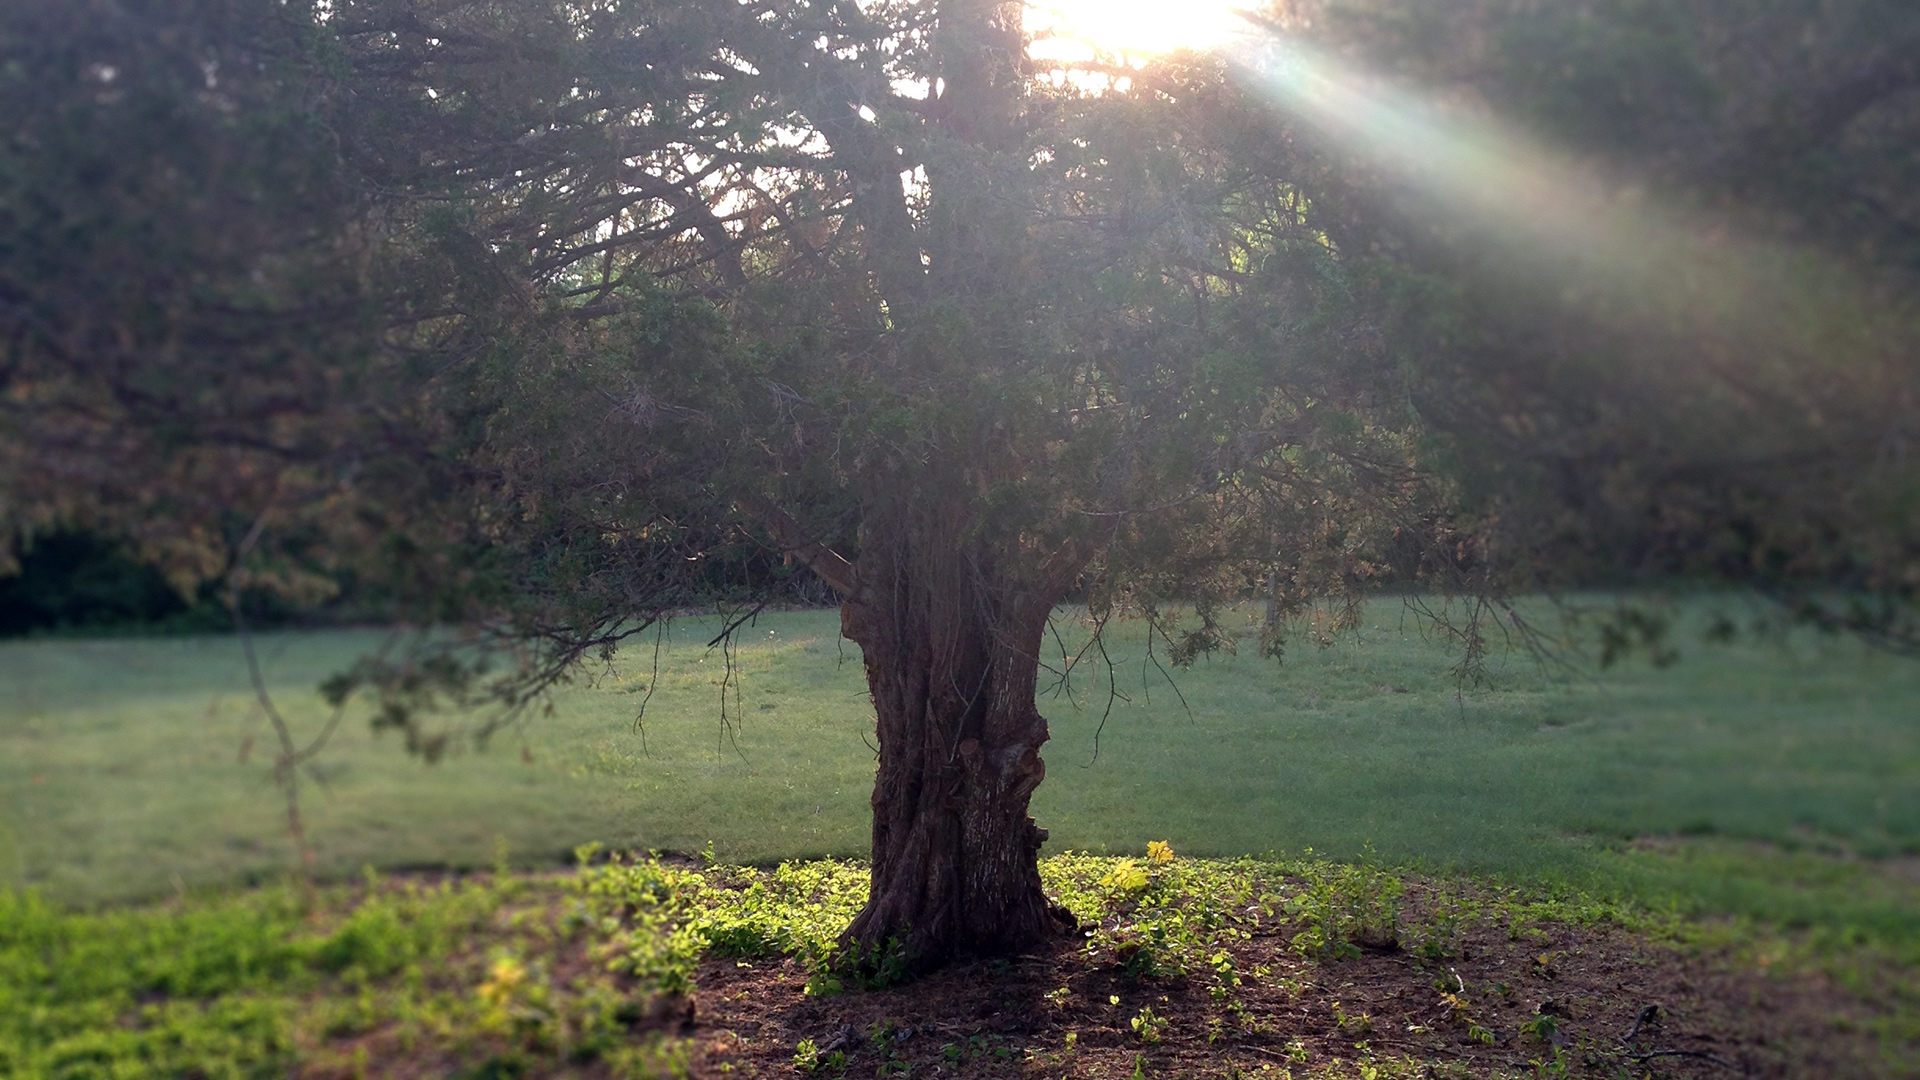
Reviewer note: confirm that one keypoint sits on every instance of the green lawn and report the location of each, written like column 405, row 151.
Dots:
column 1775, row 779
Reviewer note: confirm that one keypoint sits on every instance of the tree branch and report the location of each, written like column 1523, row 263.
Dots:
column 829, row 565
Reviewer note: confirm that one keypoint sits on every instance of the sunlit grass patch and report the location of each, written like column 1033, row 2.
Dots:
column 527, row 973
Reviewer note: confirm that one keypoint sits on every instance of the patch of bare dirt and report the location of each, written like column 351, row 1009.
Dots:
column 1599, row 1001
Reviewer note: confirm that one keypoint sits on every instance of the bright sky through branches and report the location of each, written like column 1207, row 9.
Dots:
column 1073, row 29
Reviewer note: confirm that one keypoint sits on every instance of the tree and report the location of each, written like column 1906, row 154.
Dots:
column 590, row 293
column 1005, row 330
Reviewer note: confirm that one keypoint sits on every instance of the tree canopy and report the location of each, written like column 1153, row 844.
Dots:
column 550, row 319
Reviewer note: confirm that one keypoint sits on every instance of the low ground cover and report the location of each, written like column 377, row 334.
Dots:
column 1182, row 967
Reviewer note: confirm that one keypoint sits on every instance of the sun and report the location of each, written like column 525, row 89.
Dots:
column 1075, row 29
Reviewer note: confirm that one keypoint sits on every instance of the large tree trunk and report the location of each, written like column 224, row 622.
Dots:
column 948, row 609
column 951, row 629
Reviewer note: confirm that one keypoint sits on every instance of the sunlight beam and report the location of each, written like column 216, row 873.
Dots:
column 1595, row 241
column 1599, row 241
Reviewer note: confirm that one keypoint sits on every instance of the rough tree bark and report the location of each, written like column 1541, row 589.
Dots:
column 951, row 638
column 950, row 627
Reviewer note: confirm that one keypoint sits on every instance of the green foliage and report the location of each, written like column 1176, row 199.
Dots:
column 798, row 909
column 1614, row 76
column 1345, row 908
column 231, row 986
column 1147, row 1026
column 808, row 1059
column 1542, row 1028
column 1171, row 925
column 675, row 916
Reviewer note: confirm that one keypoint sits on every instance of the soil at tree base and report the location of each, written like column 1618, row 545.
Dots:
column 1498, row 995
column 1688, row 1014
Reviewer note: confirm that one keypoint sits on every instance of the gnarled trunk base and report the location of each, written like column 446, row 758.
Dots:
column 952, row 657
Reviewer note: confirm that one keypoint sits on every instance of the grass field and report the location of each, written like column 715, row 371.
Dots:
column 1774, row 779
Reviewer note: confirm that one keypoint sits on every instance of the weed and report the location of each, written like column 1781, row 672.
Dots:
column 823, row 983
column 1126, row 876
column 1542, row 1028
column 238, row 983
column 1436, row 940
column 1346, row 908
column 808, row 1059
column 1147, row 1025
column 1554, row 1067
column 1225, row 979
column 1361, row 1024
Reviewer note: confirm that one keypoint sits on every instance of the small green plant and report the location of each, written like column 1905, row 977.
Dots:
column 505, row 983
column 1552, row 1068
column 1226, row 980
column 1541, row 1028
column 823, row 983
column 1148, row 1025
column 808, row 1059
column 1437, row 940
column 1138, row 950
column 1126, row 876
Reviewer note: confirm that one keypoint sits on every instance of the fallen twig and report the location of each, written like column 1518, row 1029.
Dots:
column 1649, row 1055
